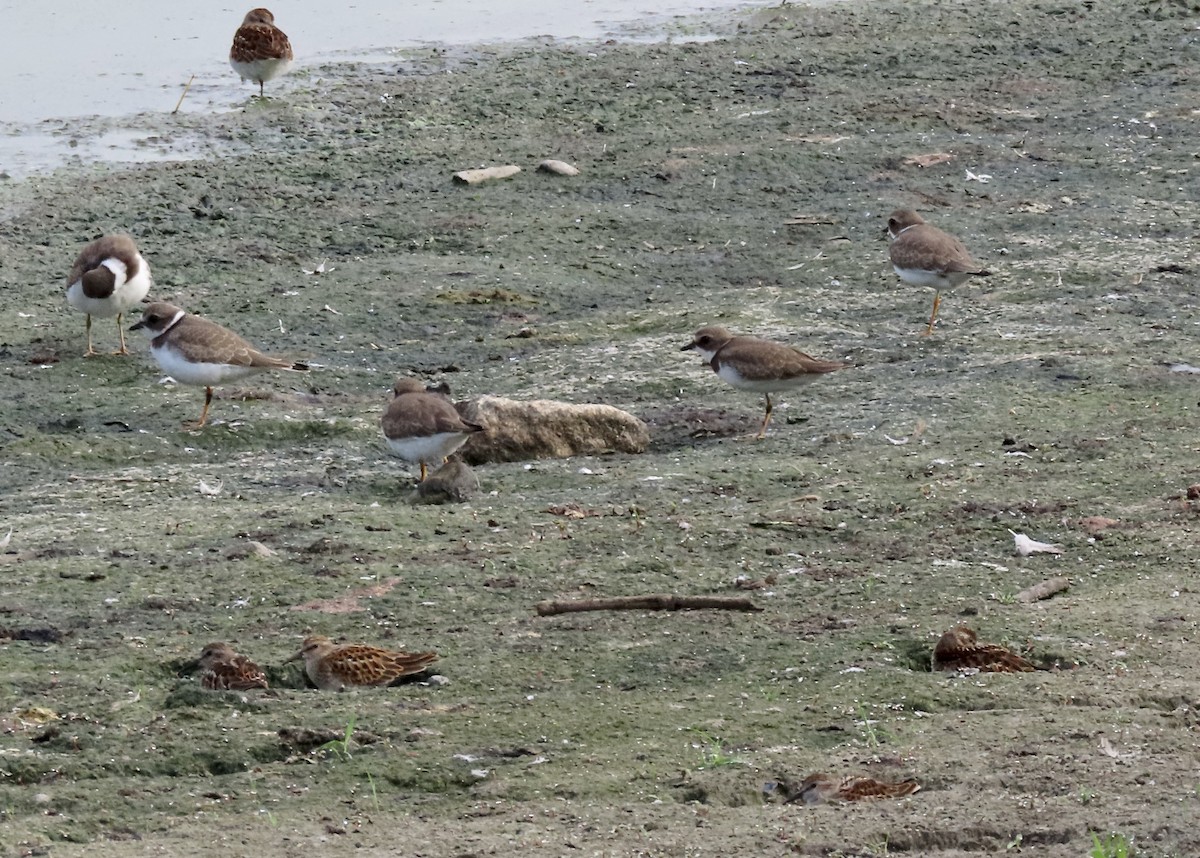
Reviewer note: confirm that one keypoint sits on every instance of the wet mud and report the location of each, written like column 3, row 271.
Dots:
column 745, row 182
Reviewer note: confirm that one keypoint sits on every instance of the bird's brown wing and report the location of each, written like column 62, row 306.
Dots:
column 422, row 414
column 958, row 649
column 761, row 360
column 860, row 789
column 121, row 247
column 820, row 787
column 359, row 664
column 961, row 261
column 407, row 663
column 237, row 674
column 927, row 248
column 207, row 341
column 260, row 42
column 988, row 658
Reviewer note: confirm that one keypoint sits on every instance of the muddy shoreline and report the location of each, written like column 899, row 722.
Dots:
column 744, row 182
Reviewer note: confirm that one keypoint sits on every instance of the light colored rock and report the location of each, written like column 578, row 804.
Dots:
column 561, row 168
column 486, row 174
column 545, row 429
column 453, row 482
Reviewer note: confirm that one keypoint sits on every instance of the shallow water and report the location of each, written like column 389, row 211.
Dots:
column 115, row 59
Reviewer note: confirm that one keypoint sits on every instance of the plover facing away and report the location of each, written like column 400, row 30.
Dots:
column 923, row 255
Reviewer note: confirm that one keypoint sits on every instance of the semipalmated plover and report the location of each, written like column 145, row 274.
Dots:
column 109, row 277
column 422, row 426
column 336, row 667
column 224, row 669
column 958, row 649
column 923, row 255
column 193, row 350
column 761, row 366
column 261, row 51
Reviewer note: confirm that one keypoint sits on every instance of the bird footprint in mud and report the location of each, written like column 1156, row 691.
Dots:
column 959, row 649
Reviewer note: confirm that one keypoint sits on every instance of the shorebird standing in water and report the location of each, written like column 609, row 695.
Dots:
column 261, row 51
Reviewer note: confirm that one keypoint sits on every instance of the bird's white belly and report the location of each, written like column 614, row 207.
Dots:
column 260, row 70
column 188, row 372
column 931, row 279
column 430, row 449
column 770, row 385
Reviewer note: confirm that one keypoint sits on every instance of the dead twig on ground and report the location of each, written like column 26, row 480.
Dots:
column 1044, row 590
column 652, row 602
column 183, row 95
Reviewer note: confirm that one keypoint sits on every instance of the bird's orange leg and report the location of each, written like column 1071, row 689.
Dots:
column 208, row 391
column 937, row 302
column 123, row 350
column 766, row 417
column 91, row 352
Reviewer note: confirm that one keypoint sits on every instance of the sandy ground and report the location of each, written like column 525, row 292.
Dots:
column 746, row 182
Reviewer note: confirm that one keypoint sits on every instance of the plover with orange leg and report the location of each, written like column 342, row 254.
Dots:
column 422, row 426
column 923, row 255
column 261, row 51
column 336, row 667
column 761, row 366
column 193, row 350
column 109, row 278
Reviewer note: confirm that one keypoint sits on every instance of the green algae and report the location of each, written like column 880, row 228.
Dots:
column 742, row 181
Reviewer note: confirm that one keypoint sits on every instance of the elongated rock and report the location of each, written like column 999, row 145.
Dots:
column 560, row 168
column 474, row 177
column 517, row 431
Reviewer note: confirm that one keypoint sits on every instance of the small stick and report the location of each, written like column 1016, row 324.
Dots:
column 1046, row 589
column 653, row 602
column 179, row 103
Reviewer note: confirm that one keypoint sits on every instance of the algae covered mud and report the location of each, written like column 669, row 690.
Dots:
column 743, row 182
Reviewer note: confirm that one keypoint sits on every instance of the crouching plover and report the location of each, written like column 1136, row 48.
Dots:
column 422, row 426
column 224, row 669
column 193, row 350
column 820, row 787
column 336, row 667
column 959, row 649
